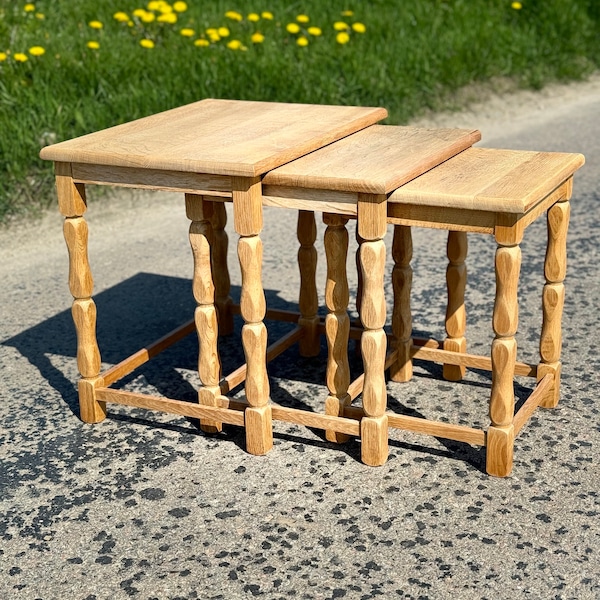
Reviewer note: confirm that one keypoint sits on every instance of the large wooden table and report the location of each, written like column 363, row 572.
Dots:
column 216, row 151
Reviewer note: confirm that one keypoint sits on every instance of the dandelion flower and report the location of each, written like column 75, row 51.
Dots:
column 167, row 18
column 267, row 15
column 3, row 56
column 234, row 45
column 302, row 41
column 180, row 7
column 293, row 28
column 40, row 16
column 146, row 43
column 187, row 32
column 29, row 7
column 165, row 8
column 347, row 13
column 223, row 32
column 36, row 51
column 359, row 27
column 314, row 31
column 340, row 26
column 254, row 17
column 303, row 18
column 20, row 57
column 121, row 16
column 213, row 34
column 148, row 17
column 257, row 38
column 96, row 24
column 139, row 12
column 233, row 15
column 155, row 5
column 516, row 5
column 201, row 43
column 92, row 45
column 342, row 38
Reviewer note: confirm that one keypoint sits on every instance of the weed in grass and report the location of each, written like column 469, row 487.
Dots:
column 68, row 68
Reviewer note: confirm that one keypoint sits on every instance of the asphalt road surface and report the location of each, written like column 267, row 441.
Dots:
column 145, row 506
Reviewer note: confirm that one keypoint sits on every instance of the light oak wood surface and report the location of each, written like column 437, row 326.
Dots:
column 375, row 160
column 213, row 136
column 486, row 179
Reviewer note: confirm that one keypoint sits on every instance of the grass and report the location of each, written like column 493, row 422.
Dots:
column 410, row 57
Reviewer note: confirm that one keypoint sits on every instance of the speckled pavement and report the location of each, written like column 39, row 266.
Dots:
column 145, row 506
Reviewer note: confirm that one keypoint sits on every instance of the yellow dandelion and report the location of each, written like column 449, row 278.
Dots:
column 302, row 41
column 314, row 31
column 347, row 13
column 233, row 15
column 253, row 17
column 139, row 12
column 340, row 26
column 165, row 8
column 148, row 17
column 342, row 38
column 302, row 18
column 201, row 43
column 3, row 56
column 92, row 45
column 146, row 43
column 187, row 32
column 180, row 7
column 167, row 18
column 223, row 32
column 29, row 7
column 130, row 23
column 40, row 16
column 36, row 51
column 155, row 5
column 516, row 5
column 293, row 28
column 20, row 57
column 121, row 16
column 267, row 15
column 213, row 34
column 257, row 38
column 359, row 27
column 234, row 45
column 96, row 24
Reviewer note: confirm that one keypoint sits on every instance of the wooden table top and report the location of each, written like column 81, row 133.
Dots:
column 508, row 181
column 376, row 160
column 218, row 137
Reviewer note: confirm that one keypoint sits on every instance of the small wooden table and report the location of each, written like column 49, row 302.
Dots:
column 213, row 148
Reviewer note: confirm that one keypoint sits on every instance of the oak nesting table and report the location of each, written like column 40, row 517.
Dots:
column 214, row 149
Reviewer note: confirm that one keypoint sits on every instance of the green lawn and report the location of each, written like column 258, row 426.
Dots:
column 71, row 67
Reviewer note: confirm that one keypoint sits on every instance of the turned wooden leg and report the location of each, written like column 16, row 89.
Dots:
column 553, row 298
column 500, row 435
column 199, row 211
column 220, row 269
column 310, row 344
column 72, row 205
column 359, row 285
column 248, row 220
column 337, row 322
column 402, row 368
column 371, row 219
column 456, row 315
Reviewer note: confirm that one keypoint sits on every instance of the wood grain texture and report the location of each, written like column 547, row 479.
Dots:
column 71, row 196
column 81, row 282
column 456, row 314
column 374, row 448
column 308, row 300
column 499, row 450
column 402, row 248
column 376, row 160
column 506, row 308
column 220, row 269
column 511, row 181
column 337, row 322
column 224, row 137
column 88, row 354
column 91, row 409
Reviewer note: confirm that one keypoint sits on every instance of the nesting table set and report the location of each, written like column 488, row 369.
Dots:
column 339, row 162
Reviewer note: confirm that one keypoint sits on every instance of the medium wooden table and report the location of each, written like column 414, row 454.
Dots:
column 212, row 148
column 497, row 192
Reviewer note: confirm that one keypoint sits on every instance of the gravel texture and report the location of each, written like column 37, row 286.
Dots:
column 145, row 506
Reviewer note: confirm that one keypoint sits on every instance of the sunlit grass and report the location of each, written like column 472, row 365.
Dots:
column 68, row 68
